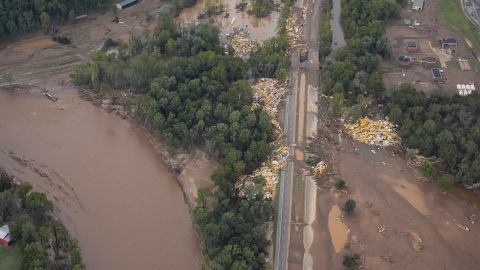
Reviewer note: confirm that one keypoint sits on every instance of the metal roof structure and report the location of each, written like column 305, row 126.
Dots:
column 125, row 3
column 4, row 232
column 449, row 40
column 417, row 4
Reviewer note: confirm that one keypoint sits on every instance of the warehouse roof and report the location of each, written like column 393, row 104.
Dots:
column 417, row 4
column 125, row 3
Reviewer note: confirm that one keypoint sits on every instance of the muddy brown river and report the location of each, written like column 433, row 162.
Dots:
column 109, row 186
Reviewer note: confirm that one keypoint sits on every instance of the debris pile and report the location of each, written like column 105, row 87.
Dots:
column 270, row 171
column 381, row 228
column 471, row 218
column 379, row 132
column 294, row 32
column 242, row 44
column 417, row 241
column 320, row 168
column 268, row 93
column 418, row 161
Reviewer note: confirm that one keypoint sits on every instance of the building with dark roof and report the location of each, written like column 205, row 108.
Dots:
column 412, row 47
column 448, row 42
column 126, row 3
column 438, row 75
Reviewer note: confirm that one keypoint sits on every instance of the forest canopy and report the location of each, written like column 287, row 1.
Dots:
column 190, row 92
column 24, row 16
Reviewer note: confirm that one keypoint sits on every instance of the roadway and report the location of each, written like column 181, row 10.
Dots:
column 310, row 38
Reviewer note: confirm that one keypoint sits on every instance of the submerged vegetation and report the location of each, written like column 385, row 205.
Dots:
column 44, row 243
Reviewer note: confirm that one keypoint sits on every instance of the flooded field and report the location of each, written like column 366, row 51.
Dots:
column 259, row 28
column 338, row 229
column 109, row 187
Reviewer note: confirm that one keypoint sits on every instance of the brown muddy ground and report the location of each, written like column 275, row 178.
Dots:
column 431, row 31
column 259, row 28
column 34, row 60
column 422, row 225
column 109, row 186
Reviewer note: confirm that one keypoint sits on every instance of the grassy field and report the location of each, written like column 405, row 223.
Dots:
column 451, row 15
column 10, row 258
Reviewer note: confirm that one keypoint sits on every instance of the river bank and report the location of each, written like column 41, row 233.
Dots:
column 105, row 178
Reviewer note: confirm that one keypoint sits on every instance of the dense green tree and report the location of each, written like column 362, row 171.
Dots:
column 349, row 206
column 38, row 204
column 35, row 257
column 445, row 182
column 427, row 169
column 24, row 229
column 5, row 181
column 351, row 261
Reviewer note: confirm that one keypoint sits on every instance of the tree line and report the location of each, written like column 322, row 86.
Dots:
column 24, row 16
column 45, row 242
column 442, row 125
column 190, row 93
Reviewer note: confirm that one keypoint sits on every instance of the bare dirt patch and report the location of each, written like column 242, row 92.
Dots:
column 337, row 229
column 32, row 44
column 427, row 35
column 39, row 60
column 401, row 222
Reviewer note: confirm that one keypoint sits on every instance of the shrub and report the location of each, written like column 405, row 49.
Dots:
column 340, row 184
column 351, row 261
column 349, row 206
column 445, row 182
column 427, row 168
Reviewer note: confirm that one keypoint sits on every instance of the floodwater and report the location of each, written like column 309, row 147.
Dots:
column 414, row 195
column 338, row 37
column 259, row 28
column 109, row 186
column 338, row 229
column 301, row 114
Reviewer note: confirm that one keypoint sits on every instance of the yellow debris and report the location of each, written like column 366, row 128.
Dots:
column 268, row 93
column 270, row 171
column 242, row 45
column 379, row 132
column 320, row 168
column 294, row 32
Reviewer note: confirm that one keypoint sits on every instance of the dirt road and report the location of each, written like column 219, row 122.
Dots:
column 109, row 186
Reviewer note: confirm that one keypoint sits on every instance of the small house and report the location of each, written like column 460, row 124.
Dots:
column 5, row 235
column 412, row 47
column 417, row 5
column 448, row 42
column 438, row 75
column 408, row 60
column 126, row 3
